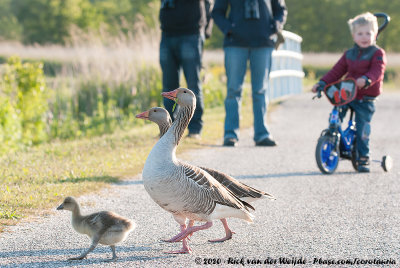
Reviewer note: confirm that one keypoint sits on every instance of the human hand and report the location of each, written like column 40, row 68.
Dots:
column 361, row 82
column 315, row 88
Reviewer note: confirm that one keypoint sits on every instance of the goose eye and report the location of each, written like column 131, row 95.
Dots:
column 184, row 91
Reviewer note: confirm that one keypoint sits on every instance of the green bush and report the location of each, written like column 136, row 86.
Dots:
column 96, row 107
column 23, row 104
column 81, row 106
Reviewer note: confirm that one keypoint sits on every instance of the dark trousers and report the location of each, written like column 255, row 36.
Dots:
column 183, row 53
column 364, row 110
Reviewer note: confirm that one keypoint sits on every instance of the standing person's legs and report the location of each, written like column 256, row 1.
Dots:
column 235, row 67
column 191, row 48
column 170, row 68
column 260, row 65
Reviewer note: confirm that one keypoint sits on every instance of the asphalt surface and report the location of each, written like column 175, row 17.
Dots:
column 317, row 219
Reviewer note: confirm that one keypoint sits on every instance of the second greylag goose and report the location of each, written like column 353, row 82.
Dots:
column 104, row 227
column 186, row 191
column 161, row 117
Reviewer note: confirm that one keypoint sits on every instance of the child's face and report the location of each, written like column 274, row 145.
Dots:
column 364, row 36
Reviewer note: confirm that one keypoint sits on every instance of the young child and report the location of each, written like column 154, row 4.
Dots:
column 365, row 62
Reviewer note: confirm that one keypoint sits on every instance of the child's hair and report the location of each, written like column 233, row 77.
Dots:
column 363, row 19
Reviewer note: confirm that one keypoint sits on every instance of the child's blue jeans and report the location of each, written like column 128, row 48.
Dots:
column 364, row 110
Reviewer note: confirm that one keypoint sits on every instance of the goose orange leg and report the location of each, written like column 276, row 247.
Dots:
column 190, row 230
column 228, row 233
column 173, row 239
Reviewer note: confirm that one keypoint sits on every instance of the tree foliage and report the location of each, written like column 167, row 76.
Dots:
column 50, row 21
column 321, row 23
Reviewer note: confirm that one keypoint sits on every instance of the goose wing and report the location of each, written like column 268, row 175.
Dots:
column 240, row 189
column 204, row 192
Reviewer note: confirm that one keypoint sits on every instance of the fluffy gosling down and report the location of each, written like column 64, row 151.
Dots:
column 104, row 227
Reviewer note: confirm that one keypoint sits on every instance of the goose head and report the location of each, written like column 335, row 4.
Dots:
column 157, row 115
column 69, row 204
column 183, row 96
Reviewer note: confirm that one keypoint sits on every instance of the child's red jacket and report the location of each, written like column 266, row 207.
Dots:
column 357, row 62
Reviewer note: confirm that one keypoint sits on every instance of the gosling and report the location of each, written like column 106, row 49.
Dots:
column 104, row 227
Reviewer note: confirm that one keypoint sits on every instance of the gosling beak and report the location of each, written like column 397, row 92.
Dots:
column 170, row 95
column 60, row 207
column 144, row 115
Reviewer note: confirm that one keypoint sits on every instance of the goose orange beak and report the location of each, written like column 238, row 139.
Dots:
column 144, row 115
column 170, row 95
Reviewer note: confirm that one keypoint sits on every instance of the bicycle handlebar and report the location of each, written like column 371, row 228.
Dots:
column 319, row 92
column 386, row 17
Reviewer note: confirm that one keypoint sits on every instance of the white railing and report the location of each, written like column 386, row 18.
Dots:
column 286, row 77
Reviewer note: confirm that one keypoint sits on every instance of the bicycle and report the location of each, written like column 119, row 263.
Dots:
column 335, row 143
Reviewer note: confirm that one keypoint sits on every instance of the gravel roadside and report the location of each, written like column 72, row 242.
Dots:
column 316, row 218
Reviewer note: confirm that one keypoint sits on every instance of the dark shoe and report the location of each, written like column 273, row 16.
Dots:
column 363, row 164
column 266, row 142
column 363, row 168
column 230, row 142
column 195, row 136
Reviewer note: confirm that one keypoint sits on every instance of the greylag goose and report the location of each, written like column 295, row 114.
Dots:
column 186, row 191
column 104, row 227
column 161, row 117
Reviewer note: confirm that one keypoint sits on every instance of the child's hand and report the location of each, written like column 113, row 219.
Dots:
column 314, row 88
column 361, row 82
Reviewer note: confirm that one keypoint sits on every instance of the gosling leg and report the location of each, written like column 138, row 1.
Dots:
column 114, row 257
column 83, row 255
column 95, row 241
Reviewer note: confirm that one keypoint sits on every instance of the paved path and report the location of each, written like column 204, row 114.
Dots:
column 322, row 218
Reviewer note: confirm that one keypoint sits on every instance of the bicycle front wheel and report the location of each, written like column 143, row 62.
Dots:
column 327, row 154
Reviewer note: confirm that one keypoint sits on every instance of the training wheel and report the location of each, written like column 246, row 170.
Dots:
column 387, row 163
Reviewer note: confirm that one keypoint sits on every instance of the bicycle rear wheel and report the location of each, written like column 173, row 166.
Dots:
column 354, row 155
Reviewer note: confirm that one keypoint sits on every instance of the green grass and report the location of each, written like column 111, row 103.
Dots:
column 39, row 178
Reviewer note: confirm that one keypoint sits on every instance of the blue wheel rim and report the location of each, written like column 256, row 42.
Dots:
column 329, row 156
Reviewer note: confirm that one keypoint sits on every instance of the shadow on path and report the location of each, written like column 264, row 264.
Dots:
column 287, row 175
column 68, row 253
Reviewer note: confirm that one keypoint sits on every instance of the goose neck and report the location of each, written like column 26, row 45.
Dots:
column 163, row 128
column 76, row 214
column 181, row 122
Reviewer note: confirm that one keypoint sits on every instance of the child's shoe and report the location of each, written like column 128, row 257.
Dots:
column 363, row 164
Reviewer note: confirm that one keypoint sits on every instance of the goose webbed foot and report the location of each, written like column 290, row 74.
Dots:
column 228, row 233
column 184, row 250
column 178, row 237
column 190, row 230
column 76, row 258
column 114, row 256
column 83, row 255
column 112, row 259
column 173, row 239
column 227, row 237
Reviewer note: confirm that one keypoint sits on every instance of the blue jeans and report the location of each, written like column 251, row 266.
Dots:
column 364, row 110
column 183, row 53
column 235, row 65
